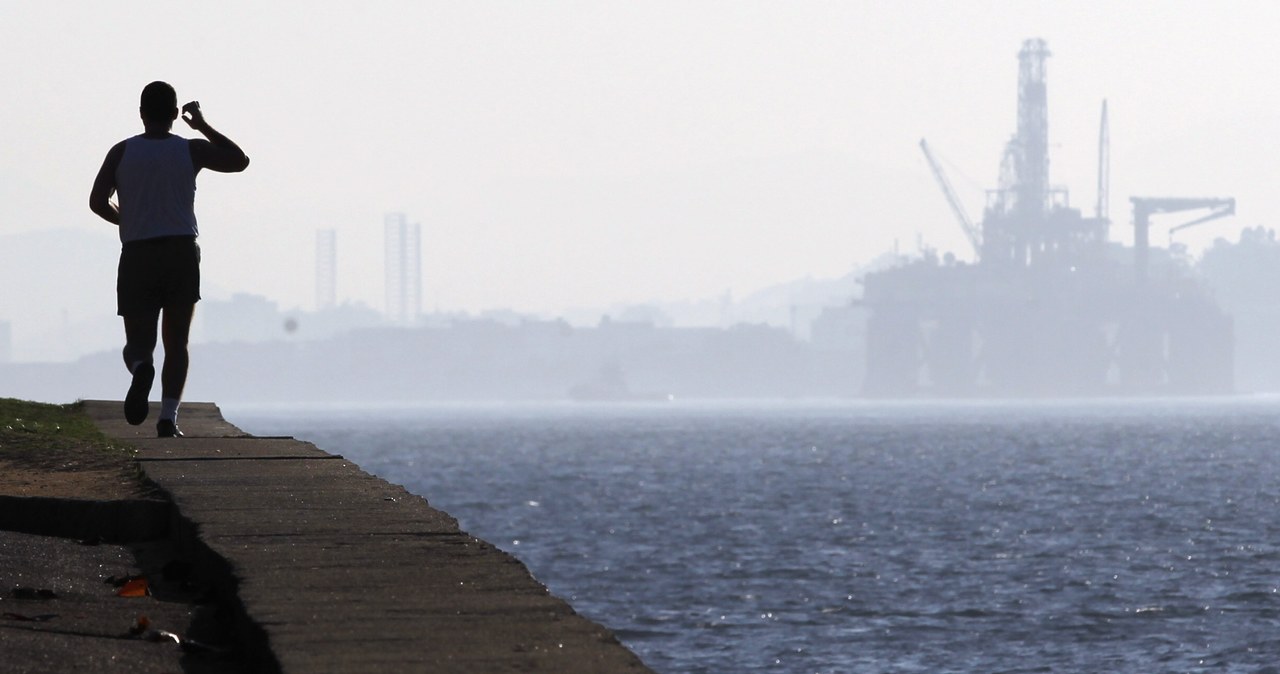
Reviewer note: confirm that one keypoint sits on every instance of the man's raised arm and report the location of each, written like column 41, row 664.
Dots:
column 218, row 153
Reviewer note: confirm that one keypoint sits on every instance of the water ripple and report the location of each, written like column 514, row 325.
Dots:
column 1086, row 538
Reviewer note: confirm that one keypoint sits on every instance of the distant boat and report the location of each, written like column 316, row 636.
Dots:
column 609, row 385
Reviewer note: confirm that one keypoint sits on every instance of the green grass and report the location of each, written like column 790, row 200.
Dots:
column 56, row 437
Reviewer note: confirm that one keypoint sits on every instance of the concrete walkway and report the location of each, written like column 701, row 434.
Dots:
column 334, row 570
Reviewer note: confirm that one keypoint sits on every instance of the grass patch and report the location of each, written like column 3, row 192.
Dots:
column 57, row 438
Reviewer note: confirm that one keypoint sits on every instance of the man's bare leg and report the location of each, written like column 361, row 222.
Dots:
column 175, row 329
column 139, row 347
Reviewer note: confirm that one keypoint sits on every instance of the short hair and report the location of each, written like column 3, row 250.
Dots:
column 159, row 101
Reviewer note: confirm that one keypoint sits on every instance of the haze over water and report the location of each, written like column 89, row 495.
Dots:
column 583, row 154
column 1114, row 536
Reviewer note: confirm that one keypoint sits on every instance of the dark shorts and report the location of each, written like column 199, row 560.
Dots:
column 158, row 273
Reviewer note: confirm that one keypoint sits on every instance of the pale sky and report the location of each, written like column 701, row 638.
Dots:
column 569, row 154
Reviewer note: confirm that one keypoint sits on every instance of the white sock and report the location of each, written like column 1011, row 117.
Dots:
column 169, row 409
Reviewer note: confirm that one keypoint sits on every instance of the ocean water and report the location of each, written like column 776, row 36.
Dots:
column 867, row 537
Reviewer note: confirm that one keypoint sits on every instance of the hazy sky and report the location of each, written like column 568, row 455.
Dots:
column 562, row 154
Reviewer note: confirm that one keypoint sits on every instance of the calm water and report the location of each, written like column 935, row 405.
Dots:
column 1100, row 537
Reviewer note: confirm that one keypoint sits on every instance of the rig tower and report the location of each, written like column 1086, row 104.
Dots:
column 1050, row 307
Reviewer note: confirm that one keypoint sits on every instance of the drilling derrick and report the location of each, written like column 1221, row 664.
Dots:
column 1031, row 146
column 1049, row 307
column 1016, row 209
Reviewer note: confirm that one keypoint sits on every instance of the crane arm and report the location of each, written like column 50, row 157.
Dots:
column 970, row 231
column 1221, row 211
column 1145, row 207
column 1148, row 206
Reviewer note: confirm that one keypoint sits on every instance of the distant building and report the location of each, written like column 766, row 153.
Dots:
column 326, row 269
column 403, row 269
column 6, row 342
column 244, row 318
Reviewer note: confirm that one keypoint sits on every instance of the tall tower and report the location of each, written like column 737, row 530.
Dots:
column 1013, row 227
column 1032, row 163
column 326, row 269
column 403, row 268
column 1102, row 212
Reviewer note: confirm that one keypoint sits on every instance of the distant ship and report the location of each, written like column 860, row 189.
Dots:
column 609, row 385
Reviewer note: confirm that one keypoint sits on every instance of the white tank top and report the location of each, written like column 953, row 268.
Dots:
column 156, row 182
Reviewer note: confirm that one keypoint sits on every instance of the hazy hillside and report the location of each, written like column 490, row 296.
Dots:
column 55, row 281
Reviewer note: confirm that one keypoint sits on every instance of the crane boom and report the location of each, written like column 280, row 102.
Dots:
column 970, row 230
column 1145, row 207
column 1220, row 211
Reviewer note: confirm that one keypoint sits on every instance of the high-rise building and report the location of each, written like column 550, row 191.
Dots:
column 326, row 269
column 403, row 269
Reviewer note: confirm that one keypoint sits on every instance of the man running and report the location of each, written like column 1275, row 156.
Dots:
column 154, row 176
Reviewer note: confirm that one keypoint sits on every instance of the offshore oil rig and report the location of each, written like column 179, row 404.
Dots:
column 1050, row 306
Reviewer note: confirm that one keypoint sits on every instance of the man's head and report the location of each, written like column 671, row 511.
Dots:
column 159, row 104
